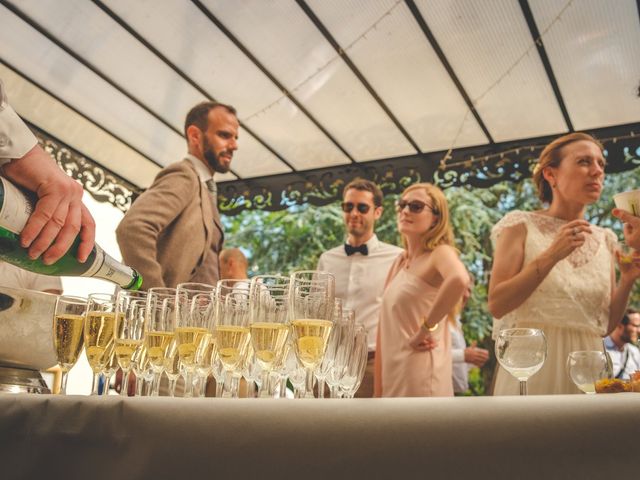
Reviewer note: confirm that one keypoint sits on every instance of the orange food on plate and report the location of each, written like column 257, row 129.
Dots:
column 613, row 385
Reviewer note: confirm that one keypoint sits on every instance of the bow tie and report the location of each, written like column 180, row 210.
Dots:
column 350, row 250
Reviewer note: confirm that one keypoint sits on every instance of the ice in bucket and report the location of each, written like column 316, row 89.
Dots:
column 628, row 201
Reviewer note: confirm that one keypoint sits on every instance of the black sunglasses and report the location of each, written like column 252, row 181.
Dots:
column 348, row 206
column 415, row 206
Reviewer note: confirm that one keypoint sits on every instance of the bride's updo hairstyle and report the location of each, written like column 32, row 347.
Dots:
column 551, row 156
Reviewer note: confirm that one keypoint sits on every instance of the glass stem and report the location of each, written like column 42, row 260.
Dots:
column 124, row 389
column 139, row 385
column 309, row 384
column 95, row 387
column 63, row 382
column 105, row 385
column 283, row 386
column 320, row 387
column 523, row 387
column 172, row 385
column 188, row 383
column 155, row 389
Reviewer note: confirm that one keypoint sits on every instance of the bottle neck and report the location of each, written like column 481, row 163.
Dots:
column 107, row 268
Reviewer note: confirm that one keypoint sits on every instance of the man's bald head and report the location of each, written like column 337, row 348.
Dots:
column 233, row 264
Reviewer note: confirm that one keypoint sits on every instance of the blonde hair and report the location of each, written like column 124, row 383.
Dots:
column 440, row 232
column 551, row 156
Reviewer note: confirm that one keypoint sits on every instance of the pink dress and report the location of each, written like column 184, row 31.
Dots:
column 407, row 372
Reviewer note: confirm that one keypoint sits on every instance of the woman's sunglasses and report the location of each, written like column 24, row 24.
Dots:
column 348, row 206
column 415, row 206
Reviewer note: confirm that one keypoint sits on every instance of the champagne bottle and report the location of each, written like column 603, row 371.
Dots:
column 15, row 208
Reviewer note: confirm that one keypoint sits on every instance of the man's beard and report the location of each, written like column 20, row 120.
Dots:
column 211, row 157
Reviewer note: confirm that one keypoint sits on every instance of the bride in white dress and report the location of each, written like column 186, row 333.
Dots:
column 553, row 270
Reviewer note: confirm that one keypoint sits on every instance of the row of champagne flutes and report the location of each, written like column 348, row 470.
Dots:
column 266, row 330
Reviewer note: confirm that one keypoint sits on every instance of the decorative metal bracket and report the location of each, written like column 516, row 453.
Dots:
column 481, row 166
column 101, row 183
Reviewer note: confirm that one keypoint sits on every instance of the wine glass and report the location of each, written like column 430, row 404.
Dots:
column 99, row 328
column 131, row 310
column 160, row 330
column 329, row 355
column 269, row 307
column 586, row 367
column 311, row 306
column 231, row 331
column 194, row 322
column 68, row 325
column 354, row 372
column 521, row 352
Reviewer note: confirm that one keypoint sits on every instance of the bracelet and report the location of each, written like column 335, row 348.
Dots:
column 428, row 328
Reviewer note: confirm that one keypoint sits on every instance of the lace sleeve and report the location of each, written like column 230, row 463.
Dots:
column 509, row 220
column 611, row 240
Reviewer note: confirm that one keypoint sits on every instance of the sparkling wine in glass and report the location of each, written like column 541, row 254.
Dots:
column 160, row 329
column 129, row 334
column 269, row 323
column 521, row 352
column 231, row 331
column 586, row 367
column 68, row 326
column 311, row 307
column 194, row 323
column 99, row 328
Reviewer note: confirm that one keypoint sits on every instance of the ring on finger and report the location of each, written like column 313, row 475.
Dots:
column 574, row 231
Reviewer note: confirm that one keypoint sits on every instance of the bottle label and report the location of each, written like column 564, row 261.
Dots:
column 16, row 208
column 108, row 268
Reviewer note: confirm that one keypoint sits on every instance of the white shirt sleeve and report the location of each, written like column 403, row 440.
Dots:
column 15, row 137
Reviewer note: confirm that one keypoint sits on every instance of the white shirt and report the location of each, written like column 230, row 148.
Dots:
column 460, row 371
column 629, row 353
column 201, row 169
column 15, row 137
column 14, row 277
column 360, row 280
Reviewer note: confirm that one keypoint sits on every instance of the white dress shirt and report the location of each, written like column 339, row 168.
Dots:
column 627, row 358
column 15, row 137
column 14, row 277
column 460, row 371
column 360, row 280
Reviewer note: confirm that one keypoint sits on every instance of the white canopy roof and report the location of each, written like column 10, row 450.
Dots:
column 317, row 83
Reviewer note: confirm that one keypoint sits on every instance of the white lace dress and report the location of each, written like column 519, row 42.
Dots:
column 571, row 305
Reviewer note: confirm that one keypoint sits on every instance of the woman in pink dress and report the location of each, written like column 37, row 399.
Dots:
column 413, row 354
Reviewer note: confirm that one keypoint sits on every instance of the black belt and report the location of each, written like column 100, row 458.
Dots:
column 371, row 355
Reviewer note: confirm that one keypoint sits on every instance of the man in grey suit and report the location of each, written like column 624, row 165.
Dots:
column 172, row 232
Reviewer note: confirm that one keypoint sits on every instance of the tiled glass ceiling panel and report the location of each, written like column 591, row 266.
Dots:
column 396, row 58
column 45, row 63
column 489, row 46
column 184, row 34
column 63, row 123
column 100, row 40
column 595, row 53
column 283, row 38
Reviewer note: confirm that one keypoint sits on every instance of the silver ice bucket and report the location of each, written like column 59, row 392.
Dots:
column 26, row 339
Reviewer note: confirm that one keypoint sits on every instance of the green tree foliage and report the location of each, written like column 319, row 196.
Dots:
column 281, row 242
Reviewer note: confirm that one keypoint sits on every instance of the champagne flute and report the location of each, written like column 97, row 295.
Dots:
column 269, row 307
column 586, row 367
column 160, row 330
column 129, row 335
column 68, row 325
column 311, row 305
column 195, row 312
column 350, row 381
column 231, row 331
column 521, row 352
column 99, row 330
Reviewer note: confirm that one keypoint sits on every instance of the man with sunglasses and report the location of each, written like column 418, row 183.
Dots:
column 360, row 265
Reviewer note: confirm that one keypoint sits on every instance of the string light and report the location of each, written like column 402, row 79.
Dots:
column 321, row 69
column 479, row 98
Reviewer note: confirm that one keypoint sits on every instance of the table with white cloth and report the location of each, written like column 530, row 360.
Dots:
column 565, row 436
